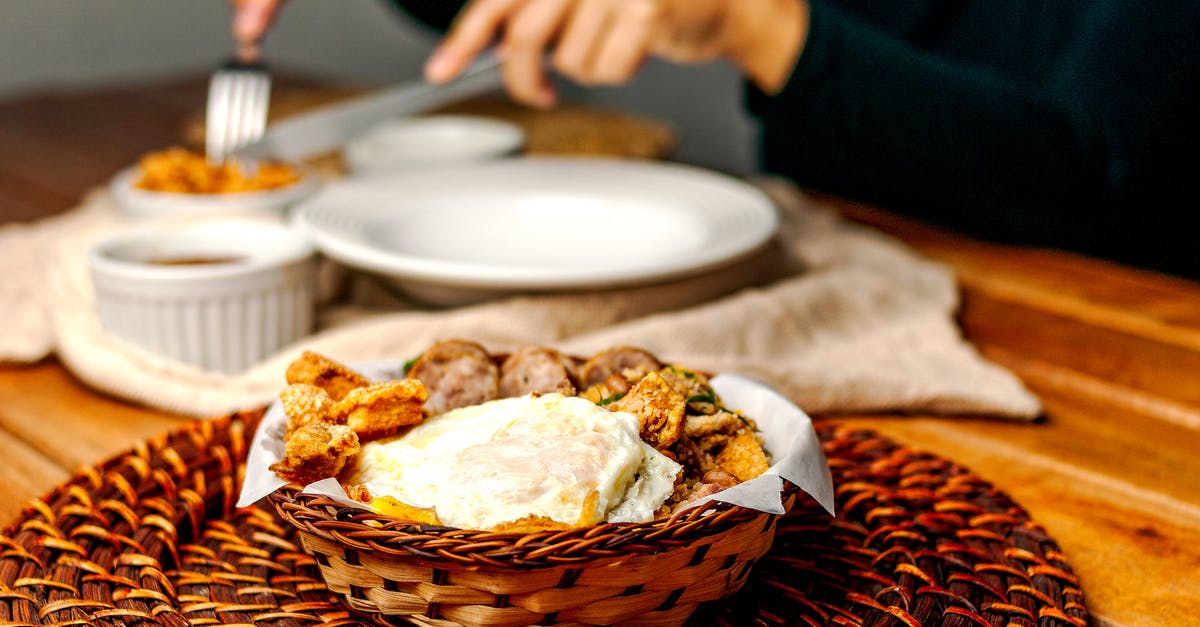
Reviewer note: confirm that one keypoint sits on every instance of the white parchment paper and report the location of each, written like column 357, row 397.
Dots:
column 787, row 433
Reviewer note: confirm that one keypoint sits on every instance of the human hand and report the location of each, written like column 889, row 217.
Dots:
column 251, row 20
column 606, row 41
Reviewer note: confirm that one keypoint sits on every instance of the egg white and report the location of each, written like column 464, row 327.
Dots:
column 503, row 460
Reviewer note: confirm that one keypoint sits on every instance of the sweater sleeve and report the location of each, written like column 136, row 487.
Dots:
column 437, row 14
column 865, row 115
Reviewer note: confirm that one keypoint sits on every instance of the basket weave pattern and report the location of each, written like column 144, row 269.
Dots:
column 150, row 537
column 636, row 574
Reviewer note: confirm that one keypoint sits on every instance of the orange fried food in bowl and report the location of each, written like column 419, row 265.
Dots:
column 181, row 171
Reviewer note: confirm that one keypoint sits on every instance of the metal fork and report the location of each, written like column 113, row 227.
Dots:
column 239, row 93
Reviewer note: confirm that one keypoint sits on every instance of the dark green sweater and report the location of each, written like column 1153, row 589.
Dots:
column 1064, row 123
column 1067, row 123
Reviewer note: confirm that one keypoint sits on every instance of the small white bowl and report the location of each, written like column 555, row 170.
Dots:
column 431, row 140
column 142, row 203
column 220, row 295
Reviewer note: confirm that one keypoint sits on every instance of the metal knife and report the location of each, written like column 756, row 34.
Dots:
column 329, row 127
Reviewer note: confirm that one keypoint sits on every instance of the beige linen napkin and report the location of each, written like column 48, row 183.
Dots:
column 836, row 316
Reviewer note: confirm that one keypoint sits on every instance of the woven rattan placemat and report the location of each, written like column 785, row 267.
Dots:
column 151, row 537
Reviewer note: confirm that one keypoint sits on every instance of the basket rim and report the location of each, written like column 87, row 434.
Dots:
column 367, row 530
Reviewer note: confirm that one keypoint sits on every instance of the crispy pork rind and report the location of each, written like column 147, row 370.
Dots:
column 659, row 408
column 682, row 416
column 379, row 410
column 717, row 448
column 315, row 451
column 719, row 425
column 323, row 433
column 743, row 456
column 305, row 404
column 724, row 441
column 314, row 369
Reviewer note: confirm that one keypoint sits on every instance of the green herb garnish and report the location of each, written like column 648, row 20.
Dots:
column 607, row 400
column 411, row 362
column 709, row 396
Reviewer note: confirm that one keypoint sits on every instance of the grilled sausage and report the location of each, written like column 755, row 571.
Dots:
column 616, row 361
column 456, row 373
column 533, row 369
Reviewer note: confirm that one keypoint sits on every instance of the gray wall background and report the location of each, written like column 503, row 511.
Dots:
column 71, row 44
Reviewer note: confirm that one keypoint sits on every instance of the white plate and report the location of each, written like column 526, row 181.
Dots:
column 538, row 224
column 141, row 203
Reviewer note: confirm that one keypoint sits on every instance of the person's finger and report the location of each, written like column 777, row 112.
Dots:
column 252, row 18
column 474, row 28
column 625, row 44
column 526, row 39
column 580, row 38
column 689, row 31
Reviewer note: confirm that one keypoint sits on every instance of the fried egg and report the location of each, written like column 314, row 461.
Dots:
column 553, row 456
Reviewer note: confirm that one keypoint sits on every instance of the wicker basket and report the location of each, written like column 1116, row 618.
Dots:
column 652, row 573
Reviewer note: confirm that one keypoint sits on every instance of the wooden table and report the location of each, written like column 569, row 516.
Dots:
column 1113, row 471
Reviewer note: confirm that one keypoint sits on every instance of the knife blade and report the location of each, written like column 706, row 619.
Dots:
column 327, row 128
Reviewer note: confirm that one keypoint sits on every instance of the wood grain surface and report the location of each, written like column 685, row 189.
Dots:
column 1112, row 469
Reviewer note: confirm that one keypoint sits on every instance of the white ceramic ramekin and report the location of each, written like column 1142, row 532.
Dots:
column 252, row 296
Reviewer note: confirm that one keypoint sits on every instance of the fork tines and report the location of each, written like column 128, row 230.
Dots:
column 238, row 96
